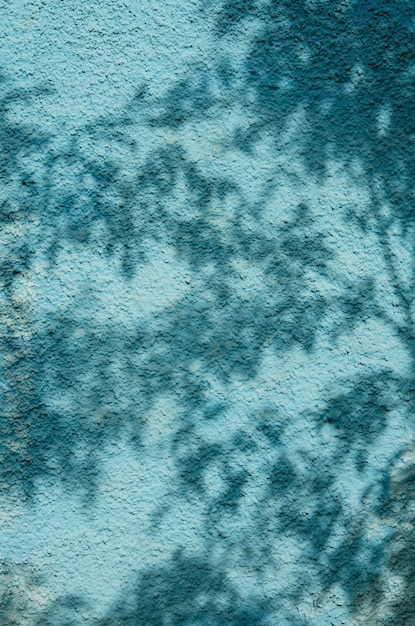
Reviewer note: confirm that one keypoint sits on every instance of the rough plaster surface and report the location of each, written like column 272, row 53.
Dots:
column 207, row 310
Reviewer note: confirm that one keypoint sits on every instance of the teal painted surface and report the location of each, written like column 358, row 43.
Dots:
column 207, row 313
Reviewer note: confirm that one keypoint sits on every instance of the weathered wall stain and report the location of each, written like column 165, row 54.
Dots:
column 207, row 316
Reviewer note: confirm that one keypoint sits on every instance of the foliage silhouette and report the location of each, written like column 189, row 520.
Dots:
column 187, row 591
column 344, row 73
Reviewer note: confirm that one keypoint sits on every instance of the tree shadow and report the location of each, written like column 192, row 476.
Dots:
column 186, row 591
column 345, row 72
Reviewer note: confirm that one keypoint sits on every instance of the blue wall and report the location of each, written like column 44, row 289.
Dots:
column 207, row 313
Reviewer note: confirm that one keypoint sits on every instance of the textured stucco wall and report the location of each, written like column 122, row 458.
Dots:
column 207, row 309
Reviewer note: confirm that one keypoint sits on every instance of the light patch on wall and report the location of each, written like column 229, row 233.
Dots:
column 157, row 284
column 384, row 118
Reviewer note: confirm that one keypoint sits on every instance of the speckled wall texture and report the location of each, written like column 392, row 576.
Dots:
column 207, row 264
